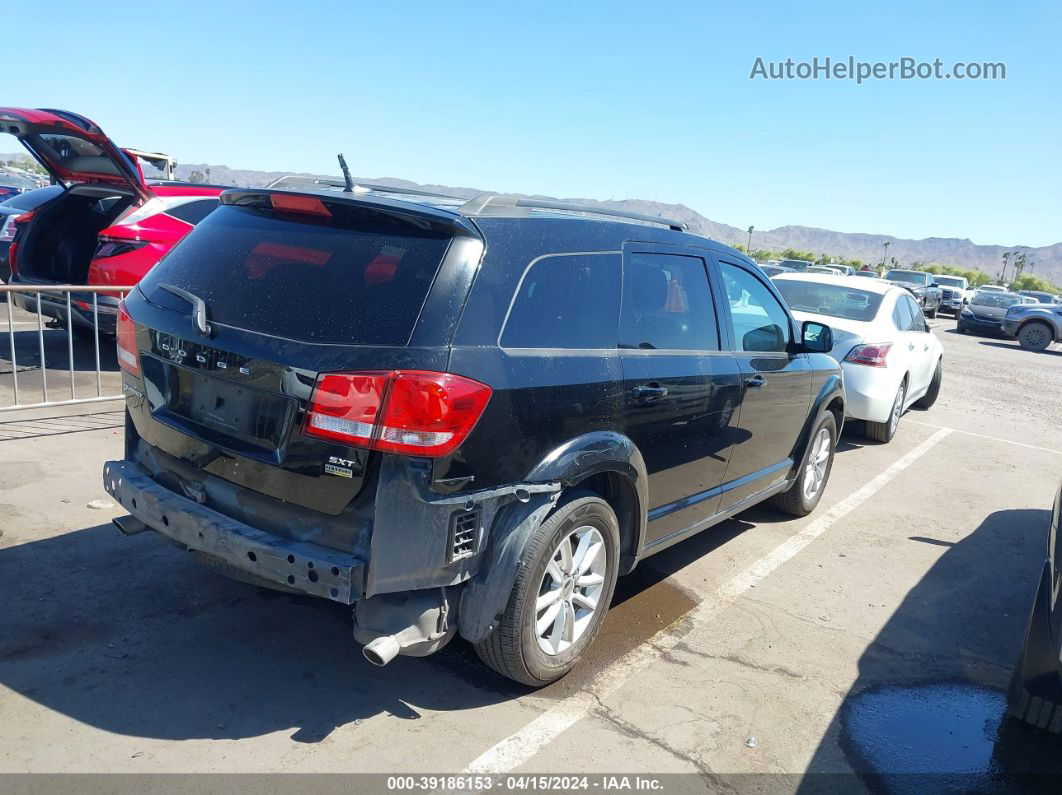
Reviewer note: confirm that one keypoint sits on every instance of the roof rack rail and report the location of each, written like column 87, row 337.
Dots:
column 359, row 187
column 481, row 205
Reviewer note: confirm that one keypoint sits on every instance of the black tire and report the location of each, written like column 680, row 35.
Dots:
column 1035, row 336
column 933, row 314
column 793, row 500
column 885, row 431
column 1033, row 710
column 512, row 648
column 930, row 397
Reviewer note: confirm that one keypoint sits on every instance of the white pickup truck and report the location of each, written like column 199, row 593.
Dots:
column 955, row 293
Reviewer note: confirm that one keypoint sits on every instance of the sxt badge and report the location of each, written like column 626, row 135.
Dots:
column 339, row 466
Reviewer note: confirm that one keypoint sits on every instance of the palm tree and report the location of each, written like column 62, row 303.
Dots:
column 1019, row 265
column 883, row 256
column 1003, row 275
column 748, row 250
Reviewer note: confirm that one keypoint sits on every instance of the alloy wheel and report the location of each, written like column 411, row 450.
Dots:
column 570, row 590
column 819, row 458
column 897, row 410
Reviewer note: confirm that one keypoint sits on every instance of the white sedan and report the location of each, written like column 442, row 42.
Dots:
column 890, row 358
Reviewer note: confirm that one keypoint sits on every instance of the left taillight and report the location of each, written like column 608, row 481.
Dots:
column 17, row 224
column 876, row 355
column 125, row 337
column 411, row 412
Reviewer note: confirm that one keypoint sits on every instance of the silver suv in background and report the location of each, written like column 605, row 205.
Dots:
column 1035, row 325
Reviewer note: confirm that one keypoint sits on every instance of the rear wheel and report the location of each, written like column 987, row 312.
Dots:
column 801, row 498
column 933, row 314
column 930, row 397
column 884, row 431
column 562, row 591
column 1035, row 336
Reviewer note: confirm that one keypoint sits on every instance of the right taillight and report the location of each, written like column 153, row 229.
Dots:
column 108, row 247
column 870, row 355
column 125, row 337
column 412, row 412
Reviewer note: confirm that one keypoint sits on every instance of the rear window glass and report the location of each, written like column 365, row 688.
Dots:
column 829, row 299
column 997, row 300
column 32, row 198
column 914, row 277
column 567, row 301
column 359, row 279
column 76, row 154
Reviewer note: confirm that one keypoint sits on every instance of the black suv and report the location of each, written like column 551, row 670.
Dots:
column 460, row 417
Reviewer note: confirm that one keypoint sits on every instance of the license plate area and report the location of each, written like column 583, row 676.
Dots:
column 230, row 414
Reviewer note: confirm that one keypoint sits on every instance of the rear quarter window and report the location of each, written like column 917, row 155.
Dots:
column 360, row 278
column 194, row 211
column 566, row 301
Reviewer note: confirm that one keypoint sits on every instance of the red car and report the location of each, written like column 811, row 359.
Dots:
column 109, row 225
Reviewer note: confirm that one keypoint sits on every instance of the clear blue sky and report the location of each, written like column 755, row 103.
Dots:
column 593, row 99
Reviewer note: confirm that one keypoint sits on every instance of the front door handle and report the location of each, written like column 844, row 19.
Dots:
column 755, row 382
column 647, row 393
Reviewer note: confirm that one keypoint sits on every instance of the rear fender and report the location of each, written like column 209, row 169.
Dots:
column 485, row 596
column 411, row 533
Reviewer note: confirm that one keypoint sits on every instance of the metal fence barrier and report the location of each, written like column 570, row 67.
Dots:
column 69, row 305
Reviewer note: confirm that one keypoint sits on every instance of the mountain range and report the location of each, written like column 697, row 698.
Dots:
column 1045, row 261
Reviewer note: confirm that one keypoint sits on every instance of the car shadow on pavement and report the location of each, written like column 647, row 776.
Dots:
column 930, row 695
column 1014, row 346
column 131, row 636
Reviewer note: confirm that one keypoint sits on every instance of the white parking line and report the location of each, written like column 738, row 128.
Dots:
column 983, row 436
column 518, row 748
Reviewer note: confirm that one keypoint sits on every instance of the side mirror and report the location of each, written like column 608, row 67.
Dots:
column 816, row 337
column 935, row 284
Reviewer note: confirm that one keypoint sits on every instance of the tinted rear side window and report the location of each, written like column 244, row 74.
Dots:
column 193, row 212
column 359, row 278
column 566, row 301
column 667, row 304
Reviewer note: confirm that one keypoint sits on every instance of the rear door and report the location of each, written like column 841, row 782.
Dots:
column 74, row 149
column 920, row 348
column 681, row 389
column 776, row 383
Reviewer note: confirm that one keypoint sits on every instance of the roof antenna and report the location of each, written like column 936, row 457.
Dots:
column 346, row 174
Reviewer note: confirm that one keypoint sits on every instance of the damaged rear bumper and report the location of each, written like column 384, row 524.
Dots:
column 294, row 565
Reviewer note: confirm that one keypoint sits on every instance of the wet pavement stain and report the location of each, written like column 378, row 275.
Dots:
column 943, row 737
column 644, row 603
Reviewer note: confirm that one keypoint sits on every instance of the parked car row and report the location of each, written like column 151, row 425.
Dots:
column 1033, row 318
column 890, row 357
